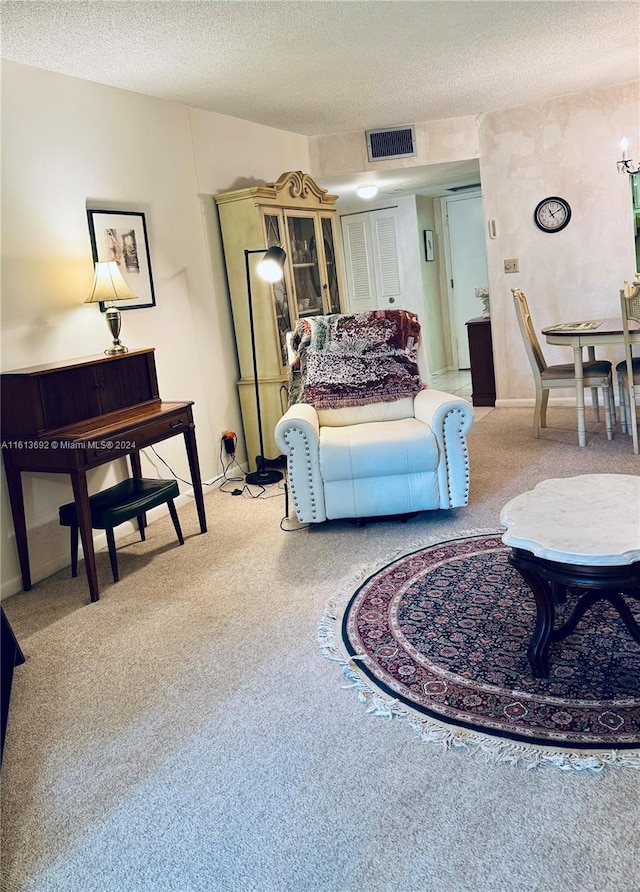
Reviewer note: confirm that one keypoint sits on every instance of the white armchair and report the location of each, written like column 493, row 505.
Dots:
column 383, row 458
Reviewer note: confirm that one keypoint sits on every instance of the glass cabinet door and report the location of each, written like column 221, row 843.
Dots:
column 280, row 297
column 305, row 263
column 332, row 298
column 314, row 264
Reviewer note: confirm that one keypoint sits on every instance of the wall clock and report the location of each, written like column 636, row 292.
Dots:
column 552, row 214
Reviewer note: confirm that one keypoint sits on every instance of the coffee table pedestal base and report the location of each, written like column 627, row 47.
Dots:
column 550, row 583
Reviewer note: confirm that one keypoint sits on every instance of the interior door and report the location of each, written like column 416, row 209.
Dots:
column 372, row 260
column 467, row 262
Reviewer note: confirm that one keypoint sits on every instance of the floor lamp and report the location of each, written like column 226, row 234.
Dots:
column 270, row 268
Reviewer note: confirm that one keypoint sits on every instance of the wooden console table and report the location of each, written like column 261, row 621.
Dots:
column 70, row 417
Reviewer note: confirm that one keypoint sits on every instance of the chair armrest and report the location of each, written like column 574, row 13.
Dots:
column 450, row 419
column 298, row 437
column 430, row 406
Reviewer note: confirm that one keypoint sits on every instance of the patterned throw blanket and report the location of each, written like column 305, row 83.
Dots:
column 355, row 359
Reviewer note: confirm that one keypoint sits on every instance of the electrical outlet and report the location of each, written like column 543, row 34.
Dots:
column 229, row 442
column 512, row 265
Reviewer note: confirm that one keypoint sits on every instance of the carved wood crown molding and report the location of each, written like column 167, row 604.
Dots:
column 300, row 185
column 294, row 183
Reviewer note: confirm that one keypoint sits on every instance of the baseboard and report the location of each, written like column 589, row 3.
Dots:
column 61, row 560
column 555, row 402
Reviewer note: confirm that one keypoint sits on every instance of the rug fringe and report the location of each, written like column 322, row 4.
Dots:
column 448, row 737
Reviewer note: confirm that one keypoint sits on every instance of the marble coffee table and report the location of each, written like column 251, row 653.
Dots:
column 576, row 536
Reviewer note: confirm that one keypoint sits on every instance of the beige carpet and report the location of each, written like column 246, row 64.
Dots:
column 185, row 733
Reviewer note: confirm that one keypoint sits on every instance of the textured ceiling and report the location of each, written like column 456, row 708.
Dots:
column 326, row 67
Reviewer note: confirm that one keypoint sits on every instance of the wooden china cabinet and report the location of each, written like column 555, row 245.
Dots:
column 300, row 216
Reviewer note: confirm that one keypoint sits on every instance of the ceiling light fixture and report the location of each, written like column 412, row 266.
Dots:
column 367, row 191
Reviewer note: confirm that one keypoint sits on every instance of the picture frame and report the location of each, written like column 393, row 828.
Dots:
column 122, row 236
column 429, row 251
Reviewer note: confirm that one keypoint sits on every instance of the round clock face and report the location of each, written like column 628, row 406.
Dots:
column 552, row 214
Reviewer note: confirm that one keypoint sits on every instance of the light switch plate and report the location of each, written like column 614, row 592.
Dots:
column 512, row 265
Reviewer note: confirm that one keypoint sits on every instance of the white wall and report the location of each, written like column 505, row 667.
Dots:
column 235, row 154
column 452, row 139
column 67, row 144
column 436, row 326
column 567, row 147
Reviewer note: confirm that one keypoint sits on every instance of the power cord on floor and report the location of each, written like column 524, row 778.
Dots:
column 225, row 472
column 182, row 479
column 261, row 494
column 226, row 466
column 294, row 529
column 245, row 488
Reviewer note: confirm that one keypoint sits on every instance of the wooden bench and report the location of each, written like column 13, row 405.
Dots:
column 122, row 502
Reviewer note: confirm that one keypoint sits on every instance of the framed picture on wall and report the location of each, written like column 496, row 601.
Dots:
column 122, row 236
column 429, row 252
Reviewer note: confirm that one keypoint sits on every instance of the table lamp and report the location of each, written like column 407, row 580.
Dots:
column 108, row 287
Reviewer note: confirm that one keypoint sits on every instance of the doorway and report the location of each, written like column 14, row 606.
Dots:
column 466, row 266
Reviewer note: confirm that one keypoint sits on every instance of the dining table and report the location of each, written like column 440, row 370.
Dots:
column 589, row 333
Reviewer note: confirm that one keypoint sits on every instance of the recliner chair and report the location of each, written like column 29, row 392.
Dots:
column 381, row 458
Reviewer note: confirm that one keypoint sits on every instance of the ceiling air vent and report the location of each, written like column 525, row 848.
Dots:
column 393, row 142
column 463, row 188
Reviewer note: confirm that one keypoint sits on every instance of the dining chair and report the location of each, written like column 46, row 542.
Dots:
column 597, row 373
column 628, row 370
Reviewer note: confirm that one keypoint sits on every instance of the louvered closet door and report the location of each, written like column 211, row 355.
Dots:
column 359, row 269
column 386, row 258
column 372, row 260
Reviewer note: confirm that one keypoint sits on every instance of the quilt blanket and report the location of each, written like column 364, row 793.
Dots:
column 355, row 359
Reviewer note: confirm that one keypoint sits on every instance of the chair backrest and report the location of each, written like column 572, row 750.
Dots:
column 630, row 309
column 630, row 301
column 531, row 343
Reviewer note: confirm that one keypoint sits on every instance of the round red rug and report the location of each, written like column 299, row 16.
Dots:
column 439, row 636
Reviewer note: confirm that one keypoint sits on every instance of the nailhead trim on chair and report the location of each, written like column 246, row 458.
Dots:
column 309, row 476
column 466, row 453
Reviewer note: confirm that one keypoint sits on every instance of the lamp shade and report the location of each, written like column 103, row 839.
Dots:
column 108, row 284
column 271, row 267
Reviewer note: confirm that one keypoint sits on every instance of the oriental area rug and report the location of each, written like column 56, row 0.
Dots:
column 438, row 637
